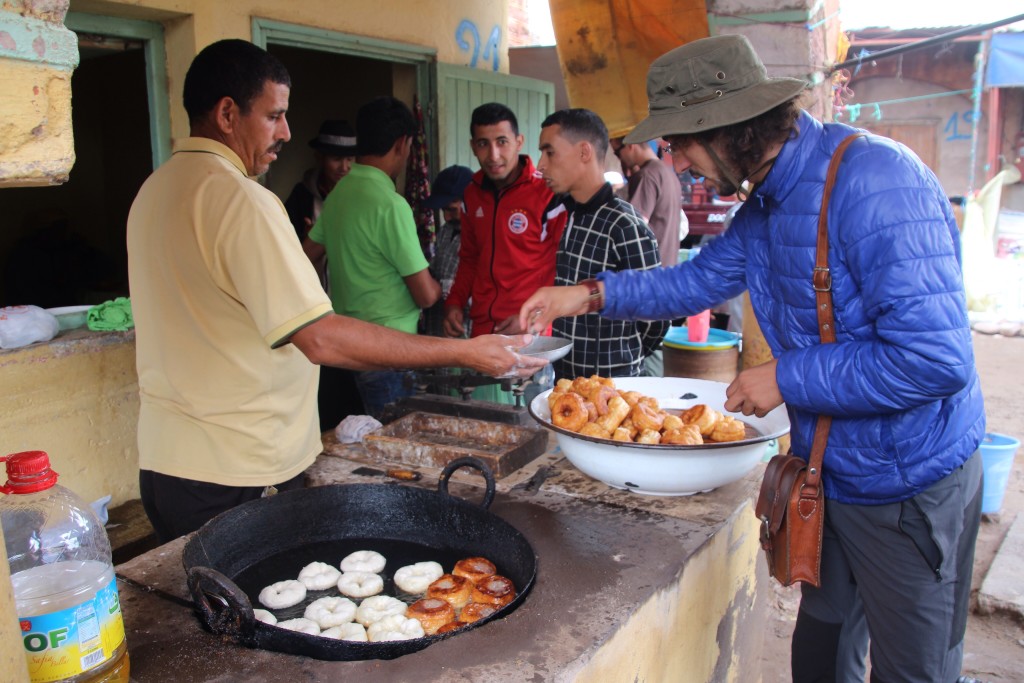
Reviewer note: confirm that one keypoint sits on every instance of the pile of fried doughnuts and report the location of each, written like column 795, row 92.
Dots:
column 592, row 406
column 440, row 602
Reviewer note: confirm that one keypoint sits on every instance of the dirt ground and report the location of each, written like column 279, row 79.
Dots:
column 994, row 647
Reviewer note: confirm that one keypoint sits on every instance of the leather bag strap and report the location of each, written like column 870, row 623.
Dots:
column 822, row 280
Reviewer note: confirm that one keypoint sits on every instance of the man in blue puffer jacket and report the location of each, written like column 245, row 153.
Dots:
column 901, row 470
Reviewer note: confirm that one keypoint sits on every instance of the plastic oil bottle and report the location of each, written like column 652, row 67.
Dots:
column 64, row 586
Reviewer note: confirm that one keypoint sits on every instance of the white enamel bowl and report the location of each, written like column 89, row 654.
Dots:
column 667, row 470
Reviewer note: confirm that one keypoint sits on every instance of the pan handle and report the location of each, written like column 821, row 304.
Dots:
column 222, row 606
column 475, row 463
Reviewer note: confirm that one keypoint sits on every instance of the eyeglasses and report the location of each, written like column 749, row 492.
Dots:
column 666, row 149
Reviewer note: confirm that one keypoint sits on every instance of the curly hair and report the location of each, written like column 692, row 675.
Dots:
column 746, row 142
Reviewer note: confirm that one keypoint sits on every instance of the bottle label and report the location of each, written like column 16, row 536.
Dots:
column 66, row 643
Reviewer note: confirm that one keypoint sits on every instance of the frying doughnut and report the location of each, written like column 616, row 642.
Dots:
column 455, row 590
column 364, row 561
column 569, row 412
column 302, row 625
column 376, row 608
column 687, row 435
column 450, row 626
column 649, row 436
column 394, row 627
column 475, row 569
column 496, row 591
column 475, row 611
column 621, row 434
column 318, row 576
column 671, row 423
column 360, row 584
column 351, row 631
column 596, row 430
column 432, row 613
column 283, row 594
column 415, row 578
column 264, row 616
column 645, row 417
column 703, row 416
column 330, row 611
column 618, row 409
column 728, row 429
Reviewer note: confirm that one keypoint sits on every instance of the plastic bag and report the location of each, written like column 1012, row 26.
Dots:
column 24, row 325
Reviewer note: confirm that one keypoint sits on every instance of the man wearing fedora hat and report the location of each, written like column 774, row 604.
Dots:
column 901, row 469
column 334, row 149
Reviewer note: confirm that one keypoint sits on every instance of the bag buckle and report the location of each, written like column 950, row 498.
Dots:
column 822, row 279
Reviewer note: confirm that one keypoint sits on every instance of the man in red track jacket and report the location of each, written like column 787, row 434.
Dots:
column 511, row 227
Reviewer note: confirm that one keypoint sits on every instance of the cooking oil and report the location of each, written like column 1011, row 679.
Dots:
column 65, row 591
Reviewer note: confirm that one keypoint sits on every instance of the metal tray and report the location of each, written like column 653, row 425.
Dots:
column 432, row 440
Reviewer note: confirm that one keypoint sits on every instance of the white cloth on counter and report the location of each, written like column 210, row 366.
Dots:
column 24, row 325
column 354, row 427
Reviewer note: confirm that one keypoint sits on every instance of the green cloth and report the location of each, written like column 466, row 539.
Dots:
column 370, row 236
column 111, row 316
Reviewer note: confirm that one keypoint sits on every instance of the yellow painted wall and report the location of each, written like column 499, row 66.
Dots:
column 78, row 400
column 190, row 25
column 708, row 625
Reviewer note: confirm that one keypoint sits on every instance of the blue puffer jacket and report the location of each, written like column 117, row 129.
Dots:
column 900, row 383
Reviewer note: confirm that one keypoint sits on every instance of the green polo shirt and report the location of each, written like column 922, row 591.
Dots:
column 369, row 233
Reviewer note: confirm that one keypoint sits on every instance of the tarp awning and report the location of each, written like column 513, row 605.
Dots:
column 1005, row 61
column 606, row 46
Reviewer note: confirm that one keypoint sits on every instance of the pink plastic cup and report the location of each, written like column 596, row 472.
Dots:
column 698, row 326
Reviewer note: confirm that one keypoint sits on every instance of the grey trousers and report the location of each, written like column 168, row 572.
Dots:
column 900, row 572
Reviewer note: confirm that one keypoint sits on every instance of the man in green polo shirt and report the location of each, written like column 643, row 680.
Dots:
column 378, row 271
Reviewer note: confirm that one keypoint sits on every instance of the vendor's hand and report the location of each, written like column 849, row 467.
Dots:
column 509, row 325
column 755, row 391
column 453, row 323
column 548, row 303
column 495, row 355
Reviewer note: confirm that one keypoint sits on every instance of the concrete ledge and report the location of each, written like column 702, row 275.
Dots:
column 1003, row 588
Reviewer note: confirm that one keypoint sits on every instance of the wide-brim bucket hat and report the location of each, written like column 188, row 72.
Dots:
column 707, row 84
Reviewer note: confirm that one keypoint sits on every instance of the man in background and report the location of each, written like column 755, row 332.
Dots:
column 604, row 233
column 510, row 229
column 334, row 150
column 445, row 195
column 378, row 272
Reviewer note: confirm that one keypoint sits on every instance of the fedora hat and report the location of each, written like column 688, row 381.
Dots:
column 707, row 84
column 336, row 137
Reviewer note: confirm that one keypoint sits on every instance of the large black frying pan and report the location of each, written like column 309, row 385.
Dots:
column 230, row 559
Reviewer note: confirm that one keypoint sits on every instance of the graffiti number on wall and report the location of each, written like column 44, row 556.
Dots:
column 490, row 49
column 952, row 129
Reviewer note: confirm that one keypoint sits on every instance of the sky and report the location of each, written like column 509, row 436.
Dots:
column 858, row 14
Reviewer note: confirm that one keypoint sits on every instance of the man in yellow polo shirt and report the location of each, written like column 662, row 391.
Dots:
column 230, row 316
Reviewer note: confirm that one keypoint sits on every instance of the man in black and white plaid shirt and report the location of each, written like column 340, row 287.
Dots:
column 604, row 232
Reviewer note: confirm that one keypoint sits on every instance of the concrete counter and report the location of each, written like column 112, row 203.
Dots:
column 628, row 588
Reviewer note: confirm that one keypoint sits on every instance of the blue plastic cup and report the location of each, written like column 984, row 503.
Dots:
column 997, row 451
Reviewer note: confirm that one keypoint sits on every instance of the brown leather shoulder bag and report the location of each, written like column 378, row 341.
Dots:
column 791, row 503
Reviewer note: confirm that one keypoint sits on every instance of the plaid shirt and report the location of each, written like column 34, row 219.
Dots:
column 606, row 233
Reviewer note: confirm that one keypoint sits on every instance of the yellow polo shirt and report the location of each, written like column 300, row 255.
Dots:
column 218, row 285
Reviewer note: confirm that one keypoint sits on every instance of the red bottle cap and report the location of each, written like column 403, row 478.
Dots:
column 28, row 472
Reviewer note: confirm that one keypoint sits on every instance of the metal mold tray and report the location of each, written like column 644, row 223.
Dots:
column 432, row 440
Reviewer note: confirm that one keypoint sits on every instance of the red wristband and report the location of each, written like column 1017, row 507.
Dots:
column 595, row 301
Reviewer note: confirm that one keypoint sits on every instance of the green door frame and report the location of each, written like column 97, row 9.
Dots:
column 152, row 36
column 266, row 31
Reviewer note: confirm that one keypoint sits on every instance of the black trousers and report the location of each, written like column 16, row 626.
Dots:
column 177, row 506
